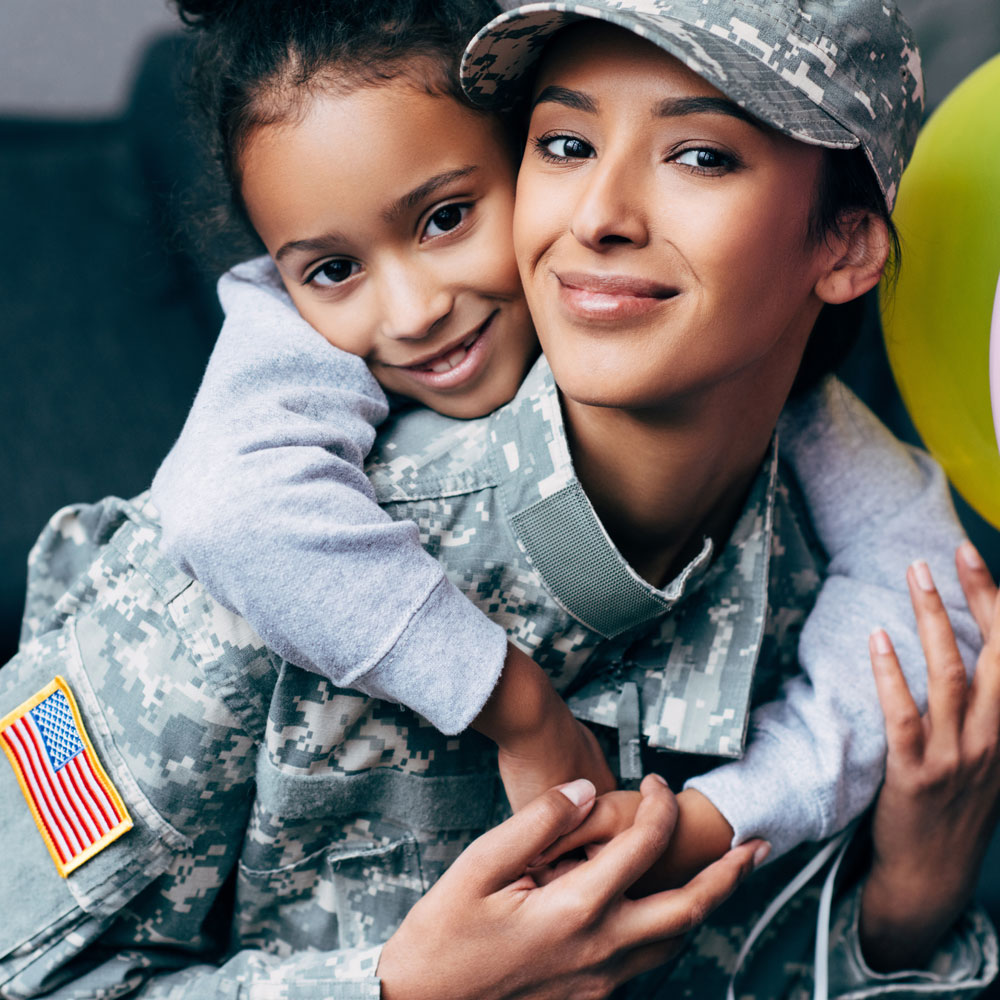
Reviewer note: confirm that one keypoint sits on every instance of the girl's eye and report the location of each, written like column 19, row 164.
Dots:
column 564, row 147
column 445, row 219
column 333, row 272
column 704, row 159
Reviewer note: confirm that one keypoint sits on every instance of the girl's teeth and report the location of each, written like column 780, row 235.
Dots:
column 456, row 357
column 446, row 364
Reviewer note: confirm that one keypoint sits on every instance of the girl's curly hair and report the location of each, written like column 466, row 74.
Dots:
column 256, row 62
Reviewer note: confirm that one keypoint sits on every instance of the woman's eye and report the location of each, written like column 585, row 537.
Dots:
column 565, row 147
column 704, row 159
column 334, row 272
column 445, row 219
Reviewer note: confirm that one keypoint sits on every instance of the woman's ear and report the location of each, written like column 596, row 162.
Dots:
column 858, row 254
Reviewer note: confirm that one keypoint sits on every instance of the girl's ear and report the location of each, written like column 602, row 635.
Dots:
column 858, row 254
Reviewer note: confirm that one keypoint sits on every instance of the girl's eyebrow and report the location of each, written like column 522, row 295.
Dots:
column 423, row 191
column 321, row 244
column 314, row 244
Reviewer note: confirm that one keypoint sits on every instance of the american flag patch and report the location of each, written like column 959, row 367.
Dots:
column 76, row 808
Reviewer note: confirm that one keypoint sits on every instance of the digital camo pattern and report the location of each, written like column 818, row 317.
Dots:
column 497, row 502
column 284, row 826
column 302, row 806
column 832, row 72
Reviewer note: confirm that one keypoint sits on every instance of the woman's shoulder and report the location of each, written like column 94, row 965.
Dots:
column 98, row 572
column 420, row 455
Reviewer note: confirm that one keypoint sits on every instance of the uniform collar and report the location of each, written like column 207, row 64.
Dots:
column 556, row 526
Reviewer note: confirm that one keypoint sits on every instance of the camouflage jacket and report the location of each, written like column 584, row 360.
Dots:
column 282, row 827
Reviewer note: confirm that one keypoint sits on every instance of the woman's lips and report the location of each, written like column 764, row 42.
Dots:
column 455, row 366
column 605, row 297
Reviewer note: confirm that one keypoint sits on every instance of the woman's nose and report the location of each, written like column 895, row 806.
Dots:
column 414, row 303
column 610, row 212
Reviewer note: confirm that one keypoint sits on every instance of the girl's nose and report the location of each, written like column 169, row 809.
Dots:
column 415, row 302
column 610, row 212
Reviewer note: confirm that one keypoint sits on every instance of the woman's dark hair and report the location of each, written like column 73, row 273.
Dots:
column 254, row 63
column 847, row 184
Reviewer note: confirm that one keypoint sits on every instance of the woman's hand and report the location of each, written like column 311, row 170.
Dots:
column 488, row 930
column 937, row 809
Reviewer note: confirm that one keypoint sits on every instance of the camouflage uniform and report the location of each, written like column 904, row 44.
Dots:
column 284, row 827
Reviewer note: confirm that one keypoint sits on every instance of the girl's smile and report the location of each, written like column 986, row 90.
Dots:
column 457, row 364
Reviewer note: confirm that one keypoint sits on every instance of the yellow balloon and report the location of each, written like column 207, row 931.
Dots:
column 937, row 320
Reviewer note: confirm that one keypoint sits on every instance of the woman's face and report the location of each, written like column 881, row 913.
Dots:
column 661, row 233
column 387, row 211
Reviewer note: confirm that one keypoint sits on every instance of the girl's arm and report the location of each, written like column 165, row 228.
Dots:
column 264, row 499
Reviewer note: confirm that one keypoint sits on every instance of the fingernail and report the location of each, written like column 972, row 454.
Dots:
column 579, row 791
column 659, row 778
column 880, row 640
column 970, row 555
column 760, row 855
column 922, row 573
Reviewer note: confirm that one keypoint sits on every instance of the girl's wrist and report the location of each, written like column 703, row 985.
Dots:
column 521, row 705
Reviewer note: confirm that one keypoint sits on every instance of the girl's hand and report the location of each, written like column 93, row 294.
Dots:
column 937, row 809
column 700, row 836
column 488, row 930
column 561, row 748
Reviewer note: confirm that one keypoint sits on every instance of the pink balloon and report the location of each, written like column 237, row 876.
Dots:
column 995, row 364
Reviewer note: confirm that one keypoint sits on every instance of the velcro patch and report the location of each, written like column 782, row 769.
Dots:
column 75, row 807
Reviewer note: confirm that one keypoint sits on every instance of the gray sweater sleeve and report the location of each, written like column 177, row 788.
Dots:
column 815, row 757
column 263, row 498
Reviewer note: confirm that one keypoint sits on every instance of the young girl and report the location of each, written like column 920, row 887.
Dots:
column 397, row 250
column 440, row 290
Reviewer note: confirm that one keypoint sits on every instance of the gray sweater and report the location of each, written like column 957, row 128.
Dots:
column 264, row 499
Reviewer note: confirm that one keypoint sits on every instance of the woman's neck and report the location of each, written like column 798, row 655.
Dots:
column 661, row 482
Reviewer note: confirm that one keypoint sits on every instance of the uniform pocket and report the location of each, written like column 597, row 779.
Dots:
column 374, row 889
column 351, row 897
column 337, row 861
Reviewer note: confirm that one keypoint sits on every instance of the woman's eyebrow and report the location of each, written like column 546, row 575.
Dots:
column 423, row 191
column 671, row 107
column 574, row 99
column 676, row 107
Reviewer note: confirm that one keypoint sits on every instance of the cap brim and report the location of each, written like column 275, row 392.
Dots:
column 497, row 64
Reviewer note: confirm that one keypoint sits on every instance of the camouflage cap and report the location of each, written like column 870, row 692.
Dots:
column 835, row 73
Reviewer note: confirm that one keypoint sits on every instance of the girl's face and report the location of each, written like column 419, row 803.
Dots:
column 661, row 233
column 388, row 213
